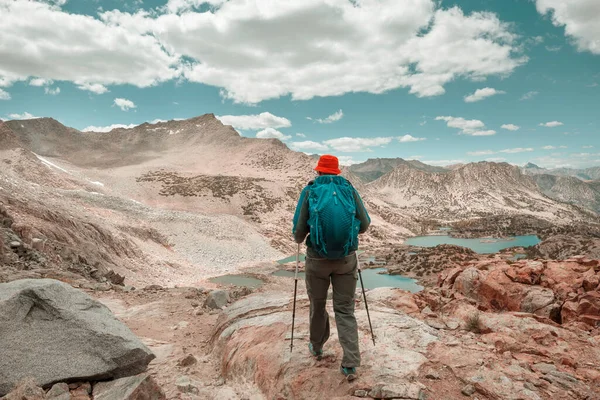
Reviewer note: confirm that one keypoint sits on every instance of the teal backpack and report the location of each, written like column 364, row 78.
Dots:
column 332, row 217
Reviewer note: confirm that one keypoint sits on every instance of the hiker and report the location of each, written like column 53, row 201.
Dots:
column 330, row 215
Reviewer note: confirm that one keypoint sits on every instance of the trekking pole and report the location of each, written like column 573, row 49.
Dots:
column 365, row 298
column 295, row 290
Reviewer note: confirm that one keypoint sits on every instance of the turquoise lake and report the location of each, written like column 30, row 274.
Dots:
column 372, row 279
column 480, row 245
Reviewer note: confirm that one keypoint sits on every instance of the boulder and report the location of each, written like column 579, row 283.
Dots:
column 467, row 281
column 59, row 391
column 138, row 387
column 537, row 301
column 27, row 389
column 217, row 299
column 53, row 333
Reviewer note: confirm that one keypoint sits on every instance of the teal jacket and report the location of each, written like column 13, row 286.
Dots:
column 301, row 229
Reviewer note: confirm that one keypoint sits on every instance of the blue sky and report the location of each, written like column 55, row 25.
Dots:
column 443, row 82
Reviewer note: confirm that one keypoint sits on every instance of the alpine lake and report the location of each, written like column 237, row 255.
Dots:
column 377, row 277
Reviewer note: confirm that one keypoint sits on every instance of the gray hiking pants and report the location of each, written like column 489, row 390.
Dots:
column 343, row 275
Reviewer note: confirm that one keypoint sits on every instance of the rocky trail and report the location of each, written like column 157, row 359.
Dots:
column 488, row 331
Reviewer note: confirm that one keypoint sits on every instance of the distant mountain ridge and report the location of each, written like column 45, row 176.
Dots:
column 374, row 168
column 587, row 174
column 569, row 189
column 476, row 189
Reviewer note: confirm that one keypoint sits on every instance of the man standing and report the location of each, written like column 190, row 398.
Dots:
column 330, row 215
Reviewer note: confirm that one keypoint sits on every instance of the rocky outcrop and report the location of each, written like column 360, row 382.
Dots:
column 563, row 291
column 563, row 246
column 136, row 387
column 53, row 333
column 253, row 340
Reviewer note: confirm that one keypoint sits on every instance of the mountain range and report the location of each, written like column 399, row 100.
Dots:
column 587, row 174
column 201, row 166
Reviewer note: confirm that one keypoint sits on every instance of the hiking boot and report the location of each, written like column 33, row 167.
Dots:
column 349, row 373
column 318, row 354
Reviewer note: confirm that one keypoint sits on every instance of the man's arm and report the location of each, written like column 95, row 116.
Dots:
column 361, row 213
column 301, row 229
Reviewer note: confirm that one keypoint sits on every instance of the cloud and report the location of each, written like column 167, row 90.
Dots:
column 4, row 95
column 472, row 127
column 40, row 82
column 510, row 127
column 41, row 40
column 302, row 135
column 409, row 138
column 516, row 150
column 496, row 159
column 554, row 147
column 177, row 6
column 347, row 160
column 587, row 147
column 270, row 133
column 332, row 118
column 507, row 151
column 552, row 124
column 553, row 48
column 124, row 104
column 481, row 94
column 481, row 153
column 529, row 95
column 580, row 19
column 366, row 46
column 352, row 46
column 108, row 128
column 444, row 162
column 308, row 145
column 255, row 122
column 52, row 91
column 351, row 145
column 25, row 115
column 93, row 87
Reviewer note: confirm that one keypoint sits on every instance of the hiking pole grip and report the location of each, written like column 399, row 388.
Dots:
column 295, row 291
column 365, row 298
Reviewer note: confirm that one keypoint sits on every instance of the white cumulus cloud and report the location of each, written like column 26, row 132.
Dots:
column 347, row 161
column 25, row 115
column 552, row 124
column 52, row 91
column 409, row 138
column 40, row 82
column 308, row 145
column 93, row 87
column 124, row 104
column 516, row 150
column 332, row 118
column 510, row 127
column 481, row 94
column 366, row 46
column 108, row 128
column 302, row 135
column 580, row 19
column 481, row 153
column 444, row 163
column 352, row 144
column 529, row 95
column 472, row 127
column 270, row 133
column 43, row 41
column 255, row 122
column 496, row 159
column 4, row 95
